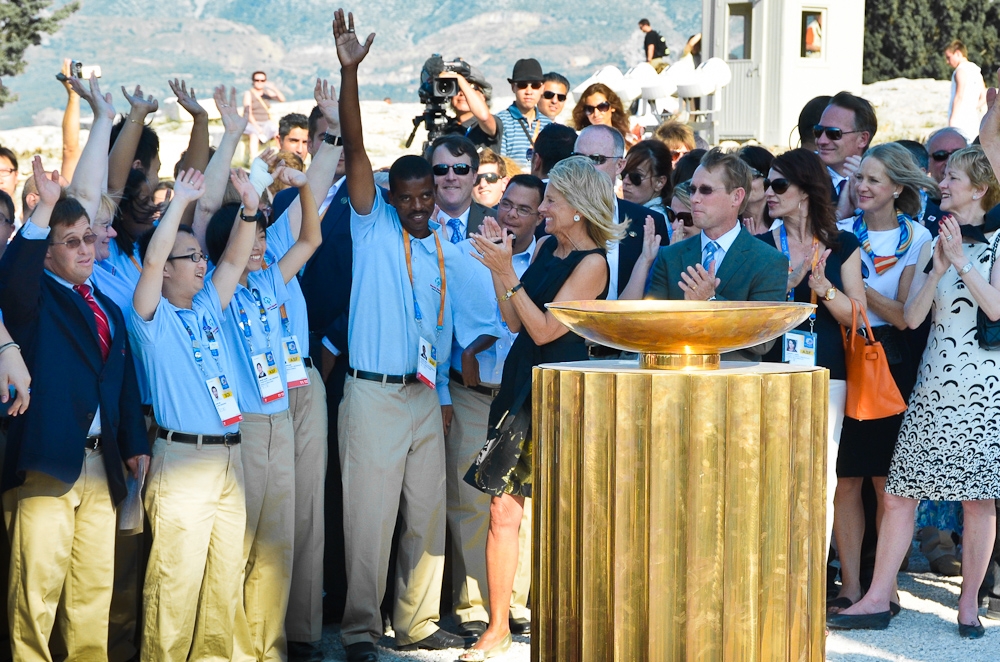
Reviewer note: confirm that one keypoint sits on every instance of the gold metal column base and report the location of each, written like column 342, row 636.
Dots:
column 678, row 361
column 679, row 515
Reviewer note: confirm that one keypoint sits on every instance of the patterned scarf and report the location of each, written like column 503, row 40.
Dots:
column 884, row 263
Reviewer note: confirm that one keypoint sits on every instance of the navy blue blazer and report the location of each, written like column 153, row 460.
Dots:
column 58, row 337
column 630, row 247
column 326, row 280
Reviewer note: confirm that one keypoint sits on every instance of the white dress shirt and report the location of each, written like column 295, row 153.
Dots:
column 725, row 242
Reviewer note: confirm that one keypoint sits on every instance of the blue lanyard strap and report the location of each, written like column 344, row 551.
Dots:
column 788, row 253
column 245, row 321
column 196, row 346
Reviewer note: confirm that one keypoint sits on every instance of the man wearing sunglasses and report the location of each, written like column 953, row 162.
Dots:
column 518, row 125
column 555, row 91
column 454, row 162
column 63, row 471
column 844, row 132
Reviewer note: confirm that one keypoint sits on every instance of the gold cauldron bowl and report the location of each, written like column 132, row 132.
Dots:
column 680, row 335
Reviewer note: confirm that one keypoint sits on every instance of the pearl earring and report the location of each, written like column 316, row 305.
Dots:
column 975, row 197
column 576, row 218
column 895, row 195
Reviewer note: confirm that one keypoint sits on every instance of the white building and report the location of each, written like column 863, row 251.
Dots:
column 782, row 54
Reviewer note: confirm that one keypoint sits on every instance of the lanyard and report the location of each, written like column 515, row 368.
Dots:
column 285, row 324
column 135, row 262
column 196, row 346
column 815, row 261
column 409, row 270
column 245, row 321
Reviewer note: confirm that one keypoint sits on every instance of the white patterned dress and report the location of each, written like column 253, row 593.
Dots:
column 949, row 443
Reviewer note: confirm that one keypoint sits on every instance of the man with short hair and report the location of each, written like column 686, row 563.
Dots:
column 455, row 162
column 605, row 147
column 491, row 179
column 517, row 126
column 844, row 132
column 293, row 135
column 63, row 470
column 8, row 171
column 554, row 143
column 723, row 261
column 555, row 90
column 968, row 91
column 654, row 46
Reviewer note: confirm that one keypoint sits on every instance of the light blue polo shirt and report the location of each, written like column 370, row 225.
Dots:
column 272, row 291
column 127, row 265
column 383, row 333
column 279, row 241
column 181, row 399
column 114, row 285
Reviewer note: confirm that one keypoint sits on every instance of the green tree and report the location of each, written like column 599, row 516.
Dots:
column 22, row 24
column 906, row 38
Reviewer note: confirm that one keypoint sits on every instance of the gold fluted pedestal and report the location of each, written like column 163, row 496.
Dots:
column 679, row 515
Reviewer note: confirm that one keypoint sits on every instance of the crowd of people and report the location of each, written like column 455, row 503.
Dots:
column 321, row 375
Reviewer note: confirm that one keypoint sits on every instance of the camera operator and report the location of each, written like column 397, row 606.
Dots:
column 471, row 106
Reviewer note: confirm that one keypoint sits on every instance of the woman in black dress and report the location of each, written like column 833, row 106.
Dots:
column 568, row 265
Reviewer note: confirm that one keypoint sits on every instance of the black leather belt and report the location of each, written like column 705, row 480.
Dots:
column 456, row 378
column 228, row 439
column 308, row 361
column 93, row 443
column 385, row 379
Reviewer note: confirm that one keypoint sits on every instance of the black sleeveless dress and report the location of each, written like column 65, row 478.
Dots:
column 504, row 464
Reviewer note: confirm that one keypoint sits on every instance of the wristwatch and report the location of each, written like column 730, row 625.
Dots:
column 249, row 219
column 830, row 294
column 966, row 269
column 331, row 139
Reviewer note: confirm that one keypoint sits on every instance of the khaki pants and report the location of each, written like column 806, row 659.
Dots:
column 392, row 459
column 268, row 456
column 62, row 563
column 469, row 515
column 197, row 511
column 307, row 404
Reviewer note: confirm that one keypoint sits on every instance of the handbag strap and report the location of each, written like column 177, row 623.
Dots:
column 856, row 309
column 870, row 336
column 993, row 254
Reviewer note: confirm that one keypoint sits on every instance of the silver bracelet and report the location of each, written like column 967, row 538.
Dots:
column 966, row 269
column 4, row 347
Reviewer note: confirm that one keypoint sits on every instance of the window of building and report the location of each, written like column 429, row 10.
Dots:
column 739, row 31
column 812, row 33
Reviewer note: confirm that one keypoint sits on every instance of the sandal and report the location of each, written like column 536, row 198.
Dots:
column 483, row 654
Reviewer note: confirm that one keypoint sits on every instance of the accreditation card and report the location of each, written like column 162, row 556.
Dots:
column 799, row 348
column 225, row 403
column 268, row 378
column 427, row 363
column 295, row 369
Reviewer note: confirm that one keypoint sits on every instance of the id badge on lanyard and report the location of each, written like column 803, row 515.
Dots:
column 426, row 352
column 224, row 401
column 799, row 348
column 263, row 365
column 295, row 368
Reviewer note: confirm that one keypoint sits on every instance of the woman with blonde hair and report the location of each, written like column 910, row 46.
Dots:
column 949, row 443
column 600, row 105
column 569, row 264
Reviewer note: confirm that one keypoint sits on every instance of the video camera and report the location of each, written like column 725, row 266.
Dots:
column 434, row 92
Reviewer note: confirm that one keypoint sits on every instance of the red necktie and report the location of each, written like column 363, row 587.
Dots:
column 103, row 328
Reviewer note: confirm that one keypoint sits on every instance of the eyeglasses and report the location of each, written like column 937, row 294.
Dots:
column 523, row 84
column 779, row 186
column 635, row 178
column 73, row 243
column 194, row 257
column 598, row 159
column 832, row 132
column 460, row 169
column 507, row 207
column 678, row 153
column 684, row 216
column 604, row 107
column 490, row 177
column 703, row 189
column 7, row 172
column 549, row 94
column 757, row 174
column 940, row 155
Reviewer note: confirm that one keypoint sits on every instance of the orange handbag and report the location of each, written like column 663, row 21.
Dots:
column 871, row 391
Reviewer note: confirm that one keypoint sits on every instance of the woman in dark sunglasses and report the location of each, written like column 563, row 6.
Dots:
column 755, row 216
column 679, row 213
column 646, row 175
column 824, row 269
column 600, row 105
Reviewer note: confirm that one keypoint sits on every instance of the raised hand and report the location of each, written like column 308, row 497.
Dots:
column 989, row 127
column 491, row 230
column 818, row 282
column 698, row 284
column 100, row 103
column 65, row 80
column 950, row 242
column 650, row 240
column 350, row 50
column 232, row 121
column 290, row 176
column 189, row 186
column 270, row 157
column 326, row 100
column 754, row 225
column 48, row 187
column 496, row 256
column 248, row 195
column 186, row 98
column 140, row 106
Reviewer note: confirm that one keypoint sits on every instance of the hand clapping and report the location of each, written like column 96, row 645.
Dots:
column 494, row 246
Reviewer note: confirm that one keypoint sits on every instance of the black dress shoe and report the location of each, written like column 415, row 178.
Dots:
column 472, row 629
column 437, row 641
column 362, row 651
column 879, row 621
column 519, row 625
column 971, row 631
column 301, row 651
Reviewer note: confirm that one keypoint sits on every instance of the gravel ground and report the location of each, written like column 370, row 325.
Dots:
column 925, row 631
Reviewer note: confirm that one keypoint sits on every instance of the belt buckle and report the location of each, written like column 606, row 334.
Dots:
column 226, row 437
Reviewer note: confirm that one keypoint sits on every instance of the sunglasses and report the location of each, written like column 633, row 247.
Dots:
column 194, row 257
column 523, row 85
column 604, row 107
column 490, row 177
column 634, row 178
column 552, row 95
column 942, row 154
column 832, row 132
column 73, row 243
column 260, row 80
column 460, row 169
column 598, row 159
column 704, row 190
column 779, row 186
column 683, row 216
